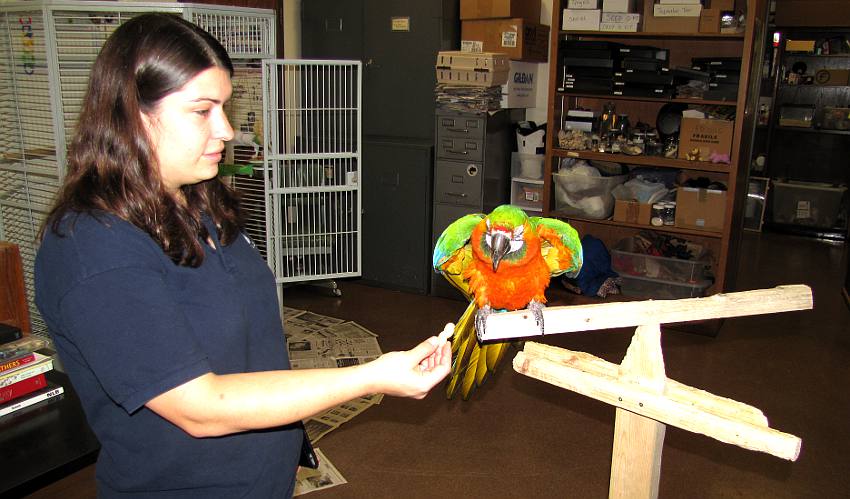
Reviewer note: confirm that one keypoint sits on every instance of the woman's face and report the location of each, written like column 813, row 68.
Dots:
column 188, row 129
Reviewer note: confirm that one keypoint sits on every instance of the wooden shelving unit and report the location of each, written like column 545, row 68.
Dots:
column 722, row 245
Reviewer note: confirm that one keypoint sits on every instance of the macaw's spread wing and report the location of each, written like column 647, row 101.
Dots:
column 560, row 246
column 453, row 254
column 472, row 361
column 453, row 240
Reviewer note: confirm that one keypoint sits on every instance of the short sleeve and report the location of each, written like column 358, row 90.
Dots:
column 128, row 328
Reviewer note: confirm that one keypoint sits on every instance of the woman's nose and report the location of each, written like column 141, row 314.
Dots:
column 223, row 130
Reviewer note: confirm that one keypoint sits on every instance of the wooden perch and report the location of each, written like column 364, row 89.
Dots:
column 521, row 323
column 679, row 405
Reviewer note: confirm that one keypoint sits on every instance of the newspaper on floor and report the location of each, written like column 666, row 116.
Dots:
column 325, row 476
column 318, row 341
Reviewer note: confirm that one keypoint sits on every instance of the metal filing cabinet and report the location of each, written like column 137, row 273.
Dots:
column 471, row 171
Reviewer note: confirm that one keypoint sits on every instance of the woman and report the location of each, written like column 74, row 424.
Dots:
column 165, row 318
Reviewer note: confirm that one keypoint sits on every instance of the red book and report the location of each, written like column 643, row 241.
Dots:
column 8, row 365
column 22, row 387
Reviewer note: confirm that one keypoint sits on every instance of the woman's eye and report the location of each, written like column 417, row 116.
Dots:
column 202, row 112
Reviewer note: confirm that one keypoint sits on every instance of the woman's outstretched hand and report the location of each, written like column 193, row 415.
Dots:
column 414, row 372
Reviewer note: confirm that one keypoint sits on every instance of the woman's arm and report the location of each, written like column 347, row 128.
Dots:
column 213, row 405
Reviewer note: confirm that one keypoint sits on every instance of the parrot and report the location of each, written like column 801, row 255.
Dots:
column 501, row 261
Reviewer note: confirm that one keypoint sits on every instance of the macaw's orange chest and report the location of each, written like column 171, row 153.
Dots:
column 512, row 286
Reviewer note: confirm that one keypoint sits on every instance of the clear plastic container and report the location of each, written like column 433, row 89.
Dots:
column 585, row 196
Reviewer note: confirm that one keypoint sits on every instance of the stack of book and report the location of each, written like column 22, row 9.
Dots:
column 725, row 74
column 644, row 72
column 23, row 366
column 587, row 66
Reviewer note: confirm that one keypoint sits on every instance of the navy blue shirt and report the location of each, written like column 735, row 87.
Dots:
column 129, row 325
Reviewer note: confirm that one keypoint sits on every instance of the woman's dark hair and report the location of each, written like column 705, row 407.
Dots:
column 111, row 163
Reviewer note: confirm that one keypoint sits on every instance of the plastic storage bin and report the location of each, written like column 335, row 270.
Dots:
column 585, row 196
column 806, row 203
column 527, row 166
column 527, row 194
column 626, row 262
column 644, row 287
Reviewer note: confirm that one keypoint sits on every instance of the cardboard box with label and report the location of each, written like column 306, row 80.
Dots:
column 663, row 24
column 618, row 6
column 632, row 212
column 581, row 19
column 494, row 9
column 709, row 137
column 702, row 209
column 520, row 39
column 521, row 89
column 709, row 21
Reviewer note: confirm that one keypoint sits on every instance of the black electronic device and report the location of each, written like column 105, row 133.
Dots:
column 643, row 52
column 641, row 64
column 669, row 119
column 645, row 77
column 588, row 62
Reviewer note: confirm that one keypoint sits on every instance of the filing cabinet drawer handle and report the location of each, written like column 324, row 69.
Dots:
column 457, row 194
column 461, row 130
column 457, row 152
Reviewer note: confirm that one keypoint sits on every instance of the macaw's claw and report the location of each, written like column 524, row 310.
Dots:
column 537, row 310
column 481, row 320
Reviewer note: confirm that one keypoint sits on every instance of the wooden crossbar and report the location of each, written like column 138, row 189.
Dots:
column 521, row 323
column 682, row 406
column 646, row 400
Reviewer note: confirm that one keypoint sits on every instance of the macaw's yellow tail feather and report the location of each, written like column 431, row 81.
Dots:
column 468, row 382
column 463, row 344
column 472, row 360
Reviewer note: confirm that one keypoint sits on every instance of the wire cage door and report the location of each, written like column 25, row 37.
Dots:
column 311, row 168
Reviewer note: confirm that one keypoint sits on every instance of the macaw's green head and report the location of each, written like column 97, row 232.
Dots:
column 506, row 233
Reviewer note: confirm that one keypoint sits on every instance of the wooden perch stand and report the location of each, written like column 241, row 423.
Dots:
column 646, row 400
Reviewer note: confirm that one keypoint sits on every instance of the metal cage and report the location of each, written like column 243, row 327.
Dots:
column 311, row 168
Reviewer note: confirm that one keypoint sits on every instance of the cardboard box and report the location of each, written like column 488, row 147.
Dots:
column 520, row 39
column 677, row 10
column 709, row 136
column 493, row 9
column 632, row 212
column 618, row 6
column 480, row 61
column 471, row 77
column 581, row 20
column 832, row 77
column 654, row 24
column 702, row 209
column 709, row 21
column 521, row 89
column 619, row 22
column 807, row 46
column 722, row 5
column 582, row 4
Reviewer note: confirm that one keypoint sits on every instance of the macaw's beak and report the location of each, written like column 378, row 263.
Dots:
column 499, row 246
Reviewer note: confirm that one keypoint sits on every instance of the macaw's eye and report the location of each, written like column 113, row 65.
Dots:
column 519, row 231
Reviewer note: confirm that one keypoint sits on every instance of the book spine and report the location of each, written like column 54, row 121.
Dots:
column 16, row 363
column 21, row 388
column 26, row 372
column 8, row 409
